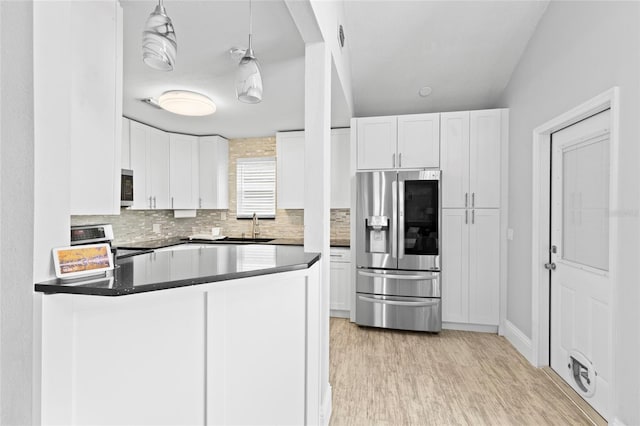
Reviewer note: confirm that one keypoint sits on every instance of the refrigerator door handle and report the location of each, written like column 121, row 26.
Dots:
column 401, row 219
column 399, row 276
column 394, row 229
column 398, row 302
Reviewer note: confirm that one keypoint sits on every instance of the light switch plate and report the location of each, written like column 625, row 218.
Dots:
column 157, row 228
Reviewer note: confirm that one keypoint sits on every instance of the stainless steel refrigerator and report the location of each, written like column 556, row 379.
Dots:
column 398, row 250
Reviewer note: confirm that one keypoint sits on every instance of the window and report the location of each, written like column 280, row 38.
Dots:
column 256, row 187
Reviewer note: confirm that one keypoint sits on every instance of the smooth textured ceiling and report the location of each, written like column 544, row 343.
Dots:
column 464, row 51
column 205, row 31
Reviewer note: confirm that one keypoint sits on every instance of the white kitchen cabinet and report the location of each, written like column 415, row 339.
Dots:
column 377, row 142
column 290, row 164
column 150, row 165
column 484, row 158
column 454, row 160
column 95, row 106
column 470, row 158
column 418, row 141
column 340, row 282
column 126, row 144
column 340, row 175
column 183, row 171
column 471, row 266
column 213, row 160
column 290, row 169
column 398, row 142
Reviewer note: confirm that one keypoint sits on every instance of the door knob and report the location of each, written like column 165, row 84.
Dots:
column 550, row 266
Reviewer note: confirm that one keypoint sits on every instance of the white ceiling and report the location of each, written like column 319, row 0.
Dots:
column 465, row 51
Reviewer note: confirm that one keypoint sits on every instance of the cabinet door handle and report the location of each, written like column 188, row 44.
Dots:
column 154, row 202
column 400, row 160
column 150, row 205
column 200, row 202
column 466, row 199
column 393, row 160
column 171, row 202
column 473, row 217
column 466, row 217
column 473, row 199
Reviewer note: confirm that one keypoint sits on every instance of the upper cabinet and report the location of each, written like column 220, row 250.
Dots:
column 418, row 141
column 470, row 158
column 96, row 106
column 213, row 160
column 340, row 160
column 150, row 164
column 183, row 171
column 176, row 171
column 377, row 140
column 126, row 143
column 395, row 142
column 290, row 169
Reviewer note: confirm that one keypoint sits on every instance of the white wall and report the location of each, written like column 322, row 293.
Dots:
column 579, row 50
column 330, row 14
column 16, row 212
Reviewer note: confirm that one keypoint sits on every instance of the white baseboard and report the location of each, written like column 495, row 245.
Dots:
column 519, row 340
column 616, row 422
column 325, row 407
column 481, row 328
column 339, row 313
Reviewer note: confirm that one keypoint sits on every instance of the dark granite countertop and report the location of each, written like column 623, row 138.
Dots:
column 185, row 266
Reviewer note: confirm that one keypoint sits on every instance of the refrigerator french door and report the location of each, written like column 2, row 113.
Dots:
column 398, row 250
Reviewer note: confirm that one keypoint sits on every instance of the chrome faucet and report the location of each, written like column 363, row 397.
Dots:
column 255, row 227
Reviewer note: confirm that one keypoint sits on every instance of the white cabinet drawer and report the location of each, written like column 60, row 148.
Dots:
column 340, row 254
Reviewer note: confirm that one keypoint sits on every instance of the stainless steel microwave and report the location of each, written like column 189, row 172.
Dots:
column 126, row 188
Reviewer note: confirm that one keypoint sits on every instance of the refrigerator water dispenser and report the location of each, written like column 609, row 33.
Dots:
column 376, row 235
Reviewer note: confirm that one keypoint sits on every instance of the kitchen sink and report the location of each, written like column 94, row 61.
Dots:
column 247, row 240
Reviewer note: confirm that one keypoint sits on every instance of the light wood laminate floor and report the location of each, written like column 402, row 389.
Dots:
column 385, row 377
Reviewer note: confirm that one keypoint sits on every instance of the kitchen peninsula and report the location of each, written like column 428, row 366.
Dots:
column 198, row 334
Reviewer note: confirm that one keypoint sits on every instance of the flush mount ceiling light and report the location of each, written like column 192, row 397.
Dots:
column 159, row 45
column 184, row 102
column 248, row 78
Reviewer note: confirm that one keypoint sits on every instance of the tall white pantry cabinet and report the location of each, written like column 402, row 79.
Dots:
column 470, row 148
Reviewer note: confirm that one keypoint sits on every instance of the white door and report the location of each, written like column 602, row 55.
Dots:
column 580, row 283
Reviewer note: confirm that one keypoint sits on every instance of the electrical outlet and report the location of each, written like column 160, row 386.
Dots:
column 510, row 234
column 223, row 215
column 157, row 228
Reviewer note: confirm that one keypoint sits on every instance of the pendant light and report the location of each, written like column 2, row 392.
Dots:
column 248, row 78
column 159, row 46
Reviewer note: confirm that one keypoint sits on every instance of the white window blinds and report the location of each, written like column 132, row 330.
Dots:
column 256, row 187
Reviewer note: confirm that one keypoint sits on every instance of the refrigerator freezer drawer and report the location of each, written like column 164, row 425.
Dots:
column 402, row 313
column 398, row 283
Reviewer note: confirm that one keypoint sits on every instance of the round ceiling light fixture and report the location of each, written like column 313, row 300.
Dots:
column 185, row 102
column 425, row 91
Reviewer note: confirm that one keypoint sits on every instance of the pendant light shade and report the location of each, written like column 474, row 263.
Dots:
column 248, row 77
column 159, row 46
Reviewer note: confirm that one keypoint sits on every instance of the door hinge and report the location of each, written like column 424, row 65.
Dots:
column 553, row 249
